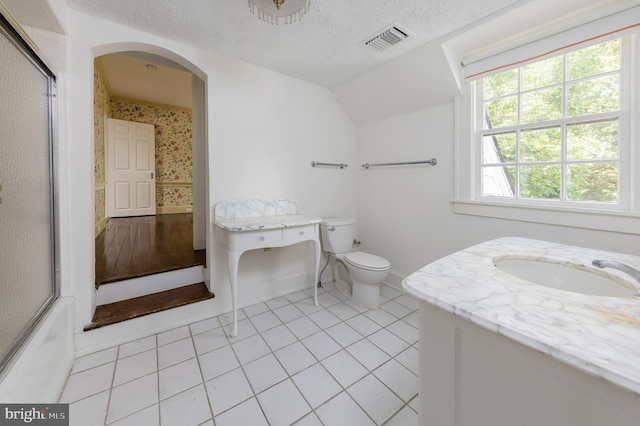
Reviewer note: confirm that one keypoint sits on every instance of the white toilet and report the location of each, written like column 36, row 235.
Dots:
column 357, row 274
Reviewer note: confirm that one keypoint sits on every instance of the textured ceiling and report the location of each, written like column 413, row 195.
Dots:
column 147, row 77
column 325, row 48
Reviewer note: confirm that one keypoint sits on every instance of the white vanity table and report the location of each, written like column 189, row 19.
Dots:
column 499, row 350
column 251, row 224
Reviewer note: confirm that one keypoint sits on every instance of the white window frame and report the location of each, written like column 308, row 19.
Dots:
column 623, row 217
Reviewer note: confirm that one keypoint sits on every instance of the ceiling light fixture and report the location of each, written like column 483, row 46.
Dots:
column 277, row 11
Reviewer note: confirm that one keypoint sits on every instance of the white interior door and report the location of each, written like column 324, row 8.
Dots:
column 131, row 168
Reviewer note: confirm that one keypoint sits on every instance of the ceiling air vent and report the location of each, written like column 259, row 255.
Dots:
column 387, row 38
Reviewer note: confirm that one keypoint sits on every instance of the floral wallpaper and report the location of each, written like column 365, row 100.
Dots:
column 174, row 158
column 174, row 162
column 173, row 196
column 101, row 108
column 99, row 208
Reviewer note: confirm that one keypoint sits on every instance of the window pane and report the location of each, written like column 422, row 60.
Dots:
column 499, row 149
column 498, row 181
column 541, row 145
column 593, row 182
column 593, row 141
column 543, row 73
column 552, row 128
column 505, row 83
column 594, row 96
column 541, row 105
column 540, row 182
column 597, row 59
column 502, row 112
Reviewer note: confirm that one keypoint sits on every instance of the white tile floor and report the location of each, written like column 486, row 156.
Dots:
column 292, row 363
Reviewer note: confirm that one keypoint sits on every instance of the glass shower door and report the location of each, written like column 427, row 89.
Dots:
column 27, row 255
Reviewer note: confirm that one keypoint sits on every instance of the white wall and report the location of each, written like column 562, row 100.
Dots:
column 405, row 213
column 401, row 207
column 263, row 131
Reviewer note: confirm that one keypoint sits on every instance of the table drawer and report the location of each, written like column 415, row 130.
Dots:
column 260, row 238
column 299, row 233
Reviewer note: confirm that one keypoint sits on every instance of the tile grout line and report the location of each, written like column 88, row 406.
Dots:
column 204, row 384
column 298, row 340
column 371, row 372
column 273, row 353
column 113, row 378
column 317, row 361
column 158, row 378
column 343, row 348
column 156, row 372
column 255, row 395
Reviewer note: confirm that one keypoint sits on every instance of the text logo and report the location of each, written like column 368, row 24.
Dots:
column 34, row 414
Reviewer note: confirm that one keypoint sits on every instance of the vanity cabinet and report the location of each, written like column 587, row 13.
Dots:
column 470, row 376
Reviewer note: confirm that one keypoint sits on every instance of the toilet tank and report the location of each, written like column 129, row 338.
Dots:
column 338, row 235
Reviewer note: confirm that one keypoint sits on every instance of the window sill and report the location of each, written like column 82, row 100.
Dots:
column 602, row 220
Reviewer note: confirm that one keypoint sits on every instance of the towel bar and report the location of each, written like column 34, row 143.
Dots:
column 432, row 161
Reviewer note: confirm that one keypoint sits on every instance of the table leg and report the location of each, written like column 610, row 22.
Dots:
column 316, row 276
column 233, row 259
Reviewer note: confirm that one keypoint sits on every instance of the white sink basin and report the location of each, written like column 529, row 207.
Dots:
column 583, row 279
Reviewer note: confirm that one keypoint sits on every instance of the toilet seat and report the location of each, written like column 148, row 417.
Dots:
column 367, row 261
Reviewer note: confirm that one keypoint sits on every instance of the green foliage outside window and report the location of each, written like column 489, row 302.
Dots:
column 551, row 129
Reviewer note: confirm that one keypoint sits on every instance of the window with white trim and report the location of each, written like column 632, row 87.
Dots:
column 555, row 131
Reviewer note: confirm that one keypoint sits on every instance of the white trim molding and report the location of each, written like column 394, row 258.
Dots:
column 612, row 221
column 174, row 209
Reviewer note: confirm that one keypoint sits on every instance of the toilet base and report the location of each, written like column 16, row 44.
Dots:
column 363, row 295
column 366, row 295
column 341, row 278
column 343, row 287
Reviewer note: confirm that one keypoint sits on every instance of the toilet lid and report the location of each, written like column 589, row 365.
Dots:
column 367, row 261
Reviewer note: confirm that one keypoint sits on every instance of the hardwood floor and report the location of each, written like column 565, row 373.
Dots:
column 132, row 247
column 145, row 305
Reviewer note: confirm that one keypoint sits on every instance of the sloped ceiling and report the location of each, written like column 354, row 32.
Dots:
column 418, row 80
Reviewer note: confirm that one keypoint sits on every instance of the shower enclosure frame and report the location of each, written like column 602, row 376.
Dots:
column 49, row 291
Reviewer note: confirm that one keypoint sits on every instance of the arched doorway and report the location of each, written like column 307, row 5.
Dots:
column 181, row 171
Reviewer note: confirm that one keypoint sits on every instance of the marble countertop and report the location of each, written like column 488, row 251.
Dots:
column 265, row 222
column 254, row 214
column 595, row 334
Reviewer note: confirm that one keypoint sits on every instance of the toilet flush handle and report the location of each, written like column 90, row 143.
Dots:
column 333, row 228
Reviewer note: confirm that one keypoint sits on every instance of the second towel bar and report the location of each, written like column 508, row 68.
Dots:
column 316, row 164
column 432, row 161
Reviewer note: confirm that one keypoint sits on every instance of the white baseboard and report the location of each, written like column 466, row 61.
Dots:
column 135, row 287
column 395, row 280
column 174, row 209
